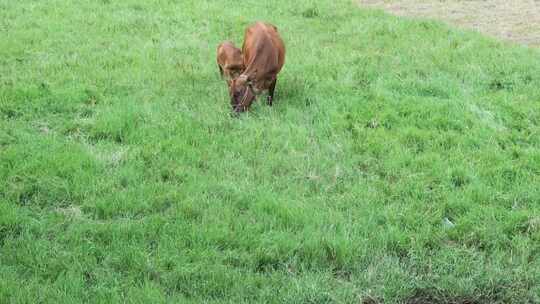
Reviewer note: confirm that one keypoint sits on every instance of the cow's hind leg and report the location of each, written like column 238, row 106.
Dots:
column 270, row 98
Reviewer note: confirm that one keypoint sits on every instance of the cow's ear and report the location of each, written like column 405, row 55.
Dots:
column 242, row 79
column 249, row 80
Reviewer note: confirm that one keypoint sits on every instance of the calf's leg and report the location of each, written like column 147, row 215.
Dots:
column 220, row 70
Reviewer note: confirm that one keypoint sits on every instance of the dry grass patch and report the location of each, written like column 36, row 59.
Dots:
column 516, row 20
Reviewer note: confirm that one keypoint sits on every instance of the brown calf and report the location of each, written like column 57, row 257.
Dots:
column 264, row 56
column 229, row 60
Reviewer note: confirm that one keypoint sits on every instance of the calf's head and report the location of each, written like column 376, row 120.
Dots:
column 230, row 60
column 233, row 70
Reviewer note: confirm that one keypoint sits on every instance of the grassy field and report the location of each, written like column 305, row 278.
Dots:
column 400, row 163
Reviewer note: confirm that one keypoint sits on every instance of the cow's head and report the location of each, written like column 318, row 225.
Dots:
column 241, row 92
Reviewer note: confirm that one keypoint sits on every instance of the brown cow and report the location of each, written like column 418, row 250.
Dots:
column 264, row 56
column 229, row 60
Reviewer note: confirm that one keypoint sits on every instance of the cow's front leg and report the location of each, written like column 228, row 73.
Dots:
column 270, row 98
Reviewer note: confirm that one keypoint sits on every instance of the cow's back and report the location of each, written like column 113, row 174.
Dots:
column 263, row 49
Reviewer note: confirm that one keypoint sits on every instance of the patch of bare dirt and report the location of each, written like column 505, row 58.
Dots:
column 514, row 20
column 433, row 297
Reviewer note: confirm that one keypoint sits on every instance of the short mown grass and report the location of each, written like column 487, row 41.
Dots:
column 400, row 163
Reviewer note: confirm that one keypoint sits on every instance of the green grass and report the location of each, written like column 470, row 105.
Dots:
column 123, row 177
